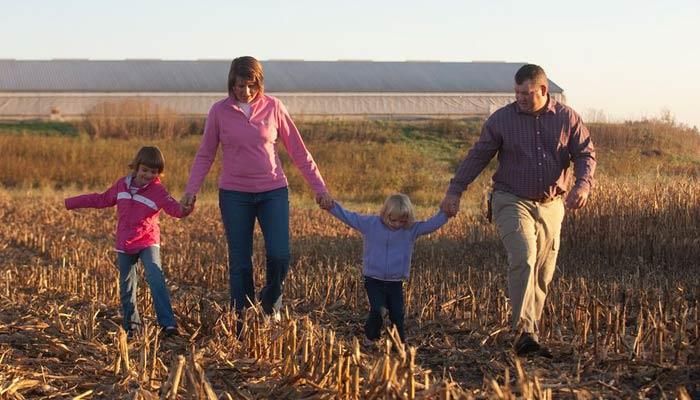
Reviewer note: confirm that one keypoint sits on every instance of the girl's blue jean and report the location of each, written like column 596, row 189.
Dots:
column 128, row 288
column 388, row 295
column 239, row 211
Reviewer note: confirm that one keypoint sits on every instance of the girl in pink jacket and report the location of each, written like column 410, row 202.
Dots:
column 139, row 197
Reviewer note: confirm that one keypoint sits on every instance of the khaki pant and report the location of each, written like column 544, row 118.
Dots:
column 530, row 232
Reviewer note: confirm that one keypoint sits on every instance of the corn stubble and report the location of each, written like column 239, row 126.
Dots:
column 621, row 319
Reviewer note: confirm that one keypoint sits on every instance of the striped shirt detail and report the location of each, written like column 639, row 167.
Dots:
column 137, row 197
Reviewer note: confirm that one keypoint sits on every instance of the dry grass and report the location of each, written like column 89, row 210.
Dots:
column 137, row 119
column 622, row 316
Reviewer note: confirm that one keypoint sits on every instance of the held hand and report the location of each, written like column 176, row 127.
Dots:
column 577, row 198
column 450, row 205
column 187, row 201
column 325, row 200
column 188, row 210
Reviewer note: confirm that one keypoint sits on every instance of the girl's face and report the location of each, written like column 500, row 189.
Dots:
column 245, row 90
column 145, row 174
column 395, row 222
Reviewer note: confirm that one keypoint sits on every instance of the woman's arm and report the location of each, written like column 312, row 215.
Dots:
column 204, row 158
column 302, row 159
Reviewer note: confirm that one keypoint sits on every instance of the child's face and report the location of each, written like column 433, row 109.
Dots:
column 395, row 222
column 145, row 174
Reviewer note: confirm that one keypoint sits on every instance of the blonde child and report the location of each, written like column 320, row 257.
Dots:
column 388, row 240
column 139, row 197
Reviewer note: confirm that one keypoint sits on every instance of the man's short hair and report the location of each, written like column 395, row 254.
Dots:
column 533, row 72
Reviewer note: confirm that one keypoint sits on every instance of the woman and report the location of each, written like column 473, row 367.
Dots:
column 252, row 185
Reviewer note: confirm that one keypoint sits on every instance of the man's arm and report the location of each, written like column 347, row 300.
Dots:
column 490, row 141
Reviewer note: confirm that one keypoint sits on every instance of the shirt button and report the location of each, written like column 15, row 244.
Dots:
column 539, row 163
column 538, row 132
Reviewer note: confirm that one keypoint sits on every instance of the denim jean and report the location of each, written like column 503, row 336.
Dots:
column 128, row 288
column 239, row 211
column 384, row 294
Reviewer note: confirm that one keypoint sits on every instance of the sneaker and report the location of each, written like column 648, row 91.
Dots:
column 369, row 343
column 277, row 310
column 171, row 331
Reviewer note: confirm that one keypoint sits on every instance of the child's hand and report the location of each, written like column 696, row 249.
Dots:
column 325, row 201
column 188, row 206
column 450, row 205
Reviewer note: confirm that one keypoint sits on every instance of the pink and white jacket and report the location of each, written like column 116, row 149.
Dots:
column 137, row 214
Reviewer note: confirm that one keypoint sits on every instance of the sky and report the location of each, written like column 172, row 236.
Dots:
column 615, row 59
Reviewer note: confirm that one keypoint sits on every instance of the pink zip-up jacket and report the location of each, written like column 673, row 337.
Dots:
column 137, row 214
column 251, row 162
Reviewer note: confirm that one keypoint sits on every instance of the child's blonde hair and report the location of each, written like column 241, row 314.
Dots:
column 149, row 156
column 398, row 205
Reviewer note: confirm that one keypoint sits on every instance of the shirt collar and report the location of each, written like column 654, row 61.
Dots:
column 232, row 102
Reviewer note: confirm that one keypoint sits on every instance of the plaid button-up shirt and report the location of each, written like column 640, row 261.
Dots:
column 534, row 152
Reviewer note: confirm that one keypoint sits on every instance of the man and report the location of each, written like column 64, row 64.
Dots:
column 536, row 138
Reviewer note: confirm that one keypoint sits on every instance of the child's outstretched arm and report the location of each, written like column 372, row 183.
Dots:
column 93, row 200
column 352, row 219
column 432, row 224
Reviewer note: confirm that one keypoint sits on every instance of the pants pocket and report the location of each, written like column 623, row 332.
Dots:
column 507, row 226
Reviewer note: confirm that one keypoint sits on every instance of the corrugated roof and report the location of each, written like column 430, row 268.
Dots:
column 280, row 76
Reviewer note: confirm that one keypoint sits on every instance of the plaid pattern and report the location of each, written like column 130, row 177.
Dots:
column 534, row 152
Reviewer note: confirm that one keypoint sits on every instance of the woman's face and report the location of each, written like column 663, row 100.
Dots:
column 245, row 90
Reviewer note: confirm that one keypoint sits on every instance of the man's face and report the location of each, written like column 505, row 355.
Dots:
column 531, row 96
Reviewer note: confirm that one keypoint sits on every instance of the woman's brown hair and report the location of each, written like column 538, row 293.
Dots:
column 248, row 68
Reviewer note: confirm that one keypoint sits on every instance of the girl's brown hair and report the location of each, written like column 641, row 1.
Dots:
column 149, row 156
column 248, row 68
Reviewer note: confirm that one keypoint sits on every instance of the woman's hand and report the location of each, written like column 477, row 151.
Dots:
column 325, row 200
column 187, row 201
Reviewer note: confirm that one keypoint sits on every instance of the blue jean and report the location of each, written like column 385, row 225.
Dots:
column 384, row 294
column 239, row 210
column 128, row 288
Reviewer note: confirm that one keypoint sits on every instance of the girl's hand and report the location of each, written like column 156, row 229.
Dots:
column 187, row 201
column 325, row 200
column 450, row 205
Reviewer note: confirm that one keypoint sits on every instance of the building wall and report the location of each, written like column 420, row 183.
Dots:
column 351, row 105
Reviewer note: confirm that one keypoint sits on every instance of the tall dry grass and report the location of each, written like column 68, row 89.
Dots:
column 142, row 119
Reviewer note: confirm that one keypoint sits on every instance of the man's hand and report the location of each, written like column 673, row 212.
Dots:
column 450, row 205
column 577, row 198
column 325, row 200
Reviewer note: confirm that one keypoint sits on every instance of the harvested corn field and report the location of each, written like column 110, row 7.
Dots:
column 621, row 318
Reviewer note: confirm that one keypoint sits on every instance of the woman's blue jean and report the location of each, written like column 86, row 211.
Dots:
column 128, row 288
column 388, row 295
column 239, row 210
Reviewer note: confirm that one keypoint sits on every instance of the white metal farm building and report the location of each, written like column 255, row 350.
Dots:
column 346, row 89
